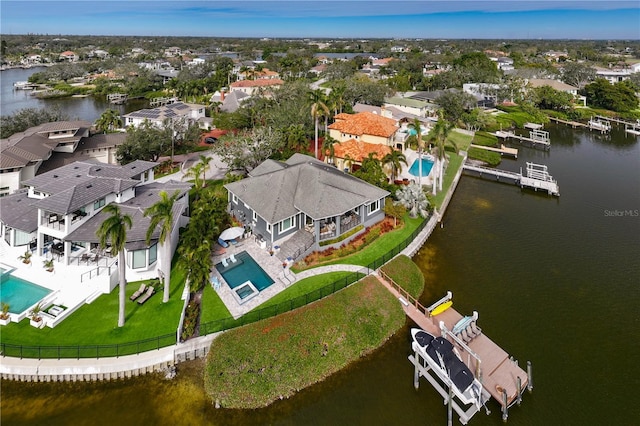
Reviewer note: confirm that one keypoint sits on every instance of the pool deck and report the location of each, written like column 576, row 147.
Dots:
column 412, row 156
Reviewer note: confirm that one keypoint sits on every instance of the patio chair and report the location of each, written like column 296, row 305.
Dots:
column 85, row 258
column 232, row 258
column 233, row 241
column 223, row 243
column 475, row 329
column 146, row 295
column 215, row 282
column 138, row 292
column 224, row 262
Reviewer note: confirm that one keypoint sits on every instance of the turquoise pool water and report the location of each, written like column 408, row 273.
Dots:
column 426, row 167
column 243, row 270
column 20, row 294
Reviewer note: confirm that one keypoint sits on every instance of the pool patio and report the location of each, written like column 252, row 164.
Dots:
column 283, row 277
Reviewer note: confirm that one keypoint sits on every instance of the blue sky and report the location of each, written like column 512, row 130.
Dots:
column 508, row 19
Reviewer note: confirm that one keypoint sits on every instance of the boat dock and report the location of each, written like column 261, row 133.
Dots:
column 117, row 98
column 601, row 124
column 537, row 177
column 503, row 150
column 633, row 128
column 536, row 139
column 501, row 377
column 573, row 124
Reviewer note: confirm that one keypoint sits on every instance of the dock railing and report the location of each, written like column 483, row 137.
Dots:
column 407, row 299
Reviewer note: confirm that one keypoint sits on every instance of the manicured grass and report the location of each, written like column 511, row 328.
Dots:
column 254, row 365
column 212, row 308
column 311, row 284
column 97, row 323
column 455, row 162
column 406, row 274
column 489, row 157
column 462, row 140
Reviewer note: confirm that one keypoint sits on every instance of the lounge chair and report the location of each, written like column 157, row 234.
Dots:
column 146, row 295
column 138, row 292
column 232, row 258
column 476, row 330
column 215, row 282
column 223, row 243
column 224, row 262
column 234, row 241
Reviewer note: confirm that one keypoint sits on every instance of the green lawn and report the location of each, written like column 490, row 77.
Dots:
column 455, row 162
column 97, row 323
column 406, row 274
column 254, row 365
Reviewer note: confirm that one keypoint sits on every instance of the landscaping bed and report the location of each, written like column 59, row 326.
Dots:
column 257, row 364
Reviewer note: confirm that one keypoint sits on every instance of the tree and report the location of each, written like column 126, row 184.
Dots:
column 109, row 121
column 578, row 74
column 194, row 173
column 439, row 135
column 161, row 214
column 476, row 120
column 145, row 142
column 546, row 97
column 619, row 97
column 248, row 149
column 395, row 210
column 28, row 117
column 205, row 161
column 413, row 198
column 455, row 103
column 318, row 108
column 395, row 159
column 113, row 230
column 371, row 171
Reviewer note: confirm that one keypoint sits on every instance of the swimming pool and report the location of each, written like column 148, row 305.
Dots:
column 20, row 294
column 243, row 270
column 427, row 165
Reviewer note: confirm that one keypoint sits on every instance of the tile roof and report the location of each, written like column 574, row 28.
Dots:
column 358, row 151
column 17, row 211
column 306, row 185
column 365, row 123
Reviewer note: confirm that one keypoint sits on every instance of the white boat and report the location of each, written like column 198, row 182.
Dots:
column 446, row 363
column 21, row 85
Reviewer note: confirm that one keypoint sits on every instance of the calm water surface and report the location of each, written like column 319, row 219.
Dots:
column 555, row 281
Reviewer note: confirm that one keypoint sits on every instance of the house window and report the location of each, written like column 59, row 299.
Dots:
column 373, row 207
column 287, row 224
column 153, row 253
column 97, row 204
column 255, row 216
column 139, row 259
column 234, row 198
column 268, row 227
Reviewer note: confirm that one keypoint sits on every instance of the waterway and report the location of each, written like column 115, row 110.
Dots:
column 555, row 281
column 83, row 108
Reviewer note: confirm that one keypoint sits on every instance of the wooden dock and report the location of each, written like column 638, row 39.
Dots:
column 503, row 150
column 536, row 178
column 117, row 98
column 536, row 139
column 573, row 124
column 499, row 374
column 602, row 125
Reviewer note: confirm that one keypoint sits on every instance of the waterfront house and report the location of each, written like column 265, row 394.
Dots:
column 303, row 195
column 58, row 213
column 360, row 134
column 166, row 114
column 22, row 154
column 252, row 87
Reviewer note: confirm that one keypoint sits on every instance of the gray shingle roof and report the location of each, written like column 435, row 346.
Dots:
column 307, row 185
column 18, row 211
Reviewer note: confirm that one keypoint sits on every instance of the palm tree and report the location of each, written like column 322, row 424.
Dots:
column 328, row 149
column 417, row 139
column 194, row 172
column 439, row 135
column 205, row 160
column 114, row 230
column 161, row 214
column 395, row 159
column 109, row 121
column 414, row 199
column 318, row 107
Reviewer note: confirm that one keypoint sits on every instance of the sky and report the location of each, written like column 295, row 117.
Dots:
column 422, row 19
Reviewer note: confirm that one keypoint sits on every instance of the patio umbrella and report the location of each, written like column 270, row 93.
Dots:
column 232, row 233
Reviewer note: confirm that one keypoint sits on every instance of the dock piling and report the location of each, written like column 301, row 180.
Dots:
column 519, row 394
column 416, row 373
column 505, row 406
column 530, row 377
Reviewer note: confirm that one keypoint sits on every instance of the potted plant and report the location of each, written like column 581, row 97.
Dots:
column 5, row 318
column 48, row 265
column 36, row 319
column 26, row 257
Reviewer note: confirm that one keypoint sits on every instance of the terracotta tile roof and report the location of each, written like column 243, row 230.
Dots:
column 258, row 83
column 365, row 123
column 358, row 151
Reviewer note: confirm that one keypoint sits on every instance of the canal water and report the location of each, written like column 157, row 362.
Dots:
column 555, row 281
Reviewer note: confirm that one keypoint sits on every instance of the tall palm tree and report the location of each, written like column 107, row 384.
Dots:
column 395, row 159
column 328, row 148
column 195, row 172
column 318, row 107
column 439, row 135
column 114, row 230
column 161, row 214
column 417, row 139
column 205, row 161
column 109, row 121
